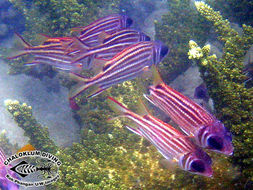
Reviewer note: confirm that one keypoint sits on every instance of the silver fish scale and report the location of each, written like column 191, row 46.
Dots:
column 26, row 169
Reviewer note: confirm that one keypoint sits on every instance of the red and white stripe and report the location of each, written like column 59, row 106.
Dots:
column 186, row 113
column 125, row 65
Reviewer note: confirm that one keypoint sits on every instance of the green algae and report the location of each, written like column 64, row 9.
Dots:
column 181, row 24
column 239, row 11
column 56, row 18
column 225, row 81
column 38, row 135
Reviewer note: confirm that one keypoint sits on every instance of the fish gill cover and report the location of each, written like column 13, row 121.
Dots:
column 110, row 157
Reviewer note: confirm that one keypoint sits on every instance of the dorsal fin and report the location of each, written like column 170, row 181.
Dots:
column 79, row 43
column 116, row 106
column 21, row 41
column 41, row 38
column 141, row 108
column 99, row 65
column 156, row 75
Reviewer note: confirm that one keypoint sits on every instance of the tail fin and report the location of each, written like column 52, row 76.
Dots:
column 81, row 86
column 20, row 47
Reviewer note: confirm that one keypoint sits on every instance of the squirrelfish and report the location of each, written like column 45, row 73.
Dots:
column 171, row 143
column 109, row 24
column 49, row 46
column 193, row 119
column 125, row 65
column 5, row 184
column 110, row 44
column 51, row 52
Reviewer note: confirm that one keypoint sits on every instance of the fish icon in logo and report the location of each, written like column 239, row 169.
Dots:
column 24, row 169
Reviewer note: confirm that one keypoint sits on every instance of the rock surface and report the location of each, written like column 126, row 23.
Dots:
column 49, row 107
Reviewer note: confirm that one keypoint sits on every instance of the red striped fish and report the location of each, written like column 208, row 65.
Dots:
column 50, row 46
column 171, row 143
column 126, row 65
column 51, row 52
column 110, row 46
column 193, row 119
column 109, row 24
column 62, row 62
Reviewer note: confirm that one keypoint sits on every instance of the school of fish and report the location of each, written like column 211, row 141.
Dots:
column 117, row 53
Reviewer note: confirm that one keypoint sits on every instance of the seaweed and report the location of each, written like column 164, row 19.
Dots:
column 225, row 81
column 181, row 24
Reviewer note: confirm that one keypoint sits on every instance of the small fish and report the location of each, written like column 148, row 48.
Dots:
column 109, row 24
column 50, row 46
column 62, row 62
column 194, row 120
column 126, row 65
column 110, row 44
column 171, row 143
column 201, row 92
column 51, row 52
column 5, row 184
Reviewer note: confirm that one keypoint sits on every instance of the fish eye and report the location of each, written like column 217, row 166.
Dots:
column 129, row 22
column 198, row 166
column 215, row 142
column 147, row 38
column 164, row 51
column 159, row 86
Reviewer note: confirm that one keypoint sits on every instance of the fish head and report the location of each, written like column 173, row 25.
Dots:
column 159, row 52
column 126, row 21
column 197, row 162
column 219, row 138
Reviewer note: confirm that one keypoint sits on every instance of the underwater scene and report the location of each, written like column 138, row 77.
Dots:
column 126, row 94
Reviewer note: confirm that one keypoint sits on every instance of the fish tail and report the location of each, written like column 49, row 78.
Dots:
column 20, row 47
column 82, row 85
column 74, row 92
